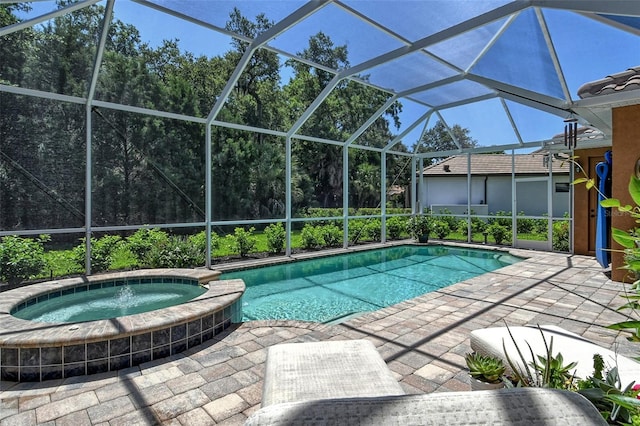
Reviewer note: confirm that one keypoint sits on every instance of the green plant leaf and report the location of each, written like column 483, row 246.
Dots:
column 634, row 189
column 624, row 325
column 610, row 202
column 624, row 401
column 578, row 181
column 592, row 394
column 590, row 183
column 623, row 238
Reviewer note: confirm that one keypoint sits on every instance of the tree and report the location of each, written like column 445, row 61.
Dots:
column 438, row 139
column 344, row 110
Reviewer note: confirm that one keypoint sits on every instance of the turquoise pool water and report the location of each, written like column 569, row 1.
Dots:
column 92, row 304
column 332, row 288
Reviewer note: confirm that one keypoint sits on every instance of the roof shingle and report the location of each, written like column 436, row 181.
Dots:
column 494, row 164
column 625, row 80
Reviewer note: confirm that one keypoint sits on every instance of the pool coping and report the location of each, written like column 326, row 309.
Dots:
column 16, row 332
column 315, row 254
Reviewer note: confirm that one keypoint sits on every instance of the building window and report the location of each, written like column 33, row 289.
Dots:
column 563, row 187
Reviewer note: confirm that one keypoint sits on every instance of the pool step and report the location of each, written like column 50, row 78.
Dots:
column 343, row 318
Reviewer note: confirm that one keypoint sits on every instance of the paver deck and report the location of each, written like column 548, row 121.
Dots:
column 423, row 340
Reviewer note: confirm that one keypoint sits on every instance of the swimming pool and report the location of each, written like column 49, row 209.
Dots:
column 331, row 289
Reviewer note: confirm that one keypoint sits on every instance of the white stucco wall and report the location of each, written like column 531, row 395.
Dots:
column 532, row 198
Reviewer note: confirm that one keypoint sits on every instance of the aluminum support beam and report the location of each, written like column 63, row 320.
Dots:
column 44, row 95
column 453, row 136
column 511, row 121
column 420, row 199
column 408, row 130
column 87, row 190
column 208, row 215
column 314, row 105
column 554, row 55
column 423, row 43
column 550, row 205
column 147, row 111
column 192, row 20
column 413, row 184
column 383, row 197
column 612, row 7
column 287, row 196
column 345, row 196
column 280, row 27
column 493, row 41
column 514, row 222
column 370, row 121
column 47, row 16
column 526, row 97
column 106, row 23
column 432, row 85
column 610, row 22
column 469, row 227
column 453, row 31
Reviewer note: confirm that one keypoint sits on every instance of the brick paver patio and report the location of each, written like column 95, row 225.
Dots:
column 423, row 341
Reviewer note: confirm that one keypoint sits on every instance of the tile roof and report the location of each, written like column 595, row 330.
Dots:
column 626, row 80
column 494, row 164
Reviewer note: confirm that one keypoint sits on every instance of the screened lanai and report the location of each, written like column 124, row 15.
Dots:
column 207, row 115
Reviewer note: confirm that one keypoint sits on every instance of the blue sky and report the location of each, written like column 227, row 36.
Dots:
column 587, row 51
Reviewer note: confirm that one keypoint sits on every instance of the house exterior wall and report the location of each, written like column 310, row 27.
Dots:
column 625, row 153
column 452, row 190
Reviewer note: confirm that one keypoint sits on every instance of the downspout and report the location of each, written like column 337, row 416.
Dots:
column 486, row 178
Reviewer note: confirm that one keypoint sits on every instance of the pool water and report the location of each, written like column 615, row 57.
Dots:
column 110, row 302
column 331, row 289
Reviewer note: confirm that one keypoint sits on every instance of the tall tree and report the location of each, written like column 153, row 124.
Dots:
column 344, row 110
column 438, row 138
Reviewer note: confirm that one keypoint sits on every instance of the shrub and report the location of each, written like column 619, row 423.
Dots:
column 243, row 241
column 199, row 243
column 276, row 237
column 356, row 230
column 452, row 221
column 177, row 252
column 441, row 229
column 502, row 218
column 525, row 225
column 101, row 252
column 373, row 229
column 398, row 210
column 330, row 235
column 420, row 226
column 499, row 233
column 310, row 237
column 369, row 211
column 396, row 226
column 478, row 225
column 462, row 227
column 560, row 236
column 540, row 226
column 142, row 241
column 21, row 258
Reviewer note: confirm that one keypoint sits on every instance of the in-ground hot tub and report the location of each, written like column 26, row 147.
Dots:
column 35, row 351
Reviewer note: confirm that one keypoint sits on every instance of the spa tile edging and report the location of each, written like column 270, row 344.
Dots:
column 31, row 351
